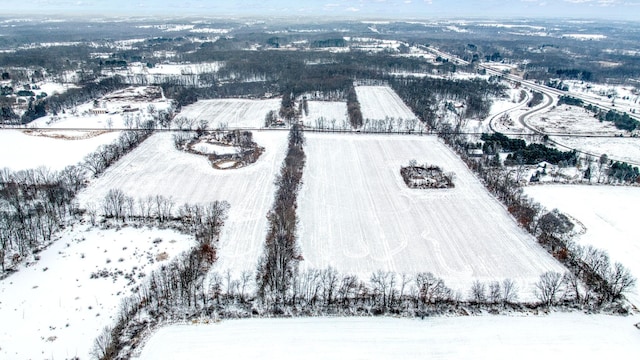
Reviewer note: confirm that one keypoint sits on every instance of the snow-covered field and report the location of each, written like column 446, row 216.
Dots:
column 21, row 151
column 565, row 119
column 609, row 215
column 557, row 336
column 357, row 215
column 620, row 149
column 52, row 309
column 157, row 168
column 326, row 115
column 380, row 102
column 231, row 113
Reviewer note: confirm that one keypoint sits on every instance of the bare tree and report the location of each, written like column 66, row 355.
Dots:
column 619, row 281
column 114, row 204
column 495, row 292
column 549, row 287
column 509, row 291
column 329, row 279
column 478, row 292
column 245, row 280
column 102, row 344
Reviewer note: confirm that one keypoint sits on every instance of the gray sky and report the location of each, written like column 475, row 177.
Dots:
column 595, row 9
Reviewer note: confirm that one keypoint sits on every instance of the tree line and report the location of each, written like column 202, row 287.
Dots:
column 279, row 262
column 353, row 108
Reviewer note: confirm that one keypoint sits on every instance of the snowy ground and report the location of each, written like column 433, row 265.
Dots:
column 357, row 215
column 609, row 214
column 157, row 168
column 620, row 149
column 53, row 309
column 565, row 119
column 380, row 102
column 327, row 115
column 231, row 113
column 21, row 151
column 557, row 336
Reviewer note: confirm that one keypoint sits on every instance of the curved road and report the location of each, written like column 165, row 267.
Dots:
column 518, row 106
column 523, row 117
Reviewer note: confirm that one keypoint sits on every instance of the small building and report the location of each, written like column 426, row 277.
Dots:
column 99, row 111
column 476, row 153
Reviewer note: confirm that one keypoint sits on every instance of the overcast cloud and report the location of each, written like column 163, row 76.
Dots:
column 597, row 9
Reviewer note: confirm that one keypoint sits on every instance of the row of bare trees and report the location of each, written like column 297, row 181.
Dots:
column 279, row 262
column 99, row 160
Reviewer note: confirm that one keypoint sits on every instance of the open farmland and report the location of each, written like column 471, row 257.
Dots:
column 31, row 151
column 357, row 215
column 557, row 336
column 54, row 309
column 380, row 102
column 326, row 115
column 609, row 216
column 231, row 113
column 157, row 168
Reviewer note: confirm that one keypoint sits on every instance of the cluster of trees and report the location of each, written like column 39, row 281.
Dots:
column 426, row 176
column 621, row 121
column 569, row 100
column 337, row 42
column 425, row 95
column 623, row 172
column 521, row 153
column 271, row 119
column 118, row 206
column 535, row 153
column 35, row 109
column 7, row 115
column 557, row 84
column 536, row 99
column 33, row 205
column 279, row 262
column 578, row 74
column 288, row 107
column 248, row 151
